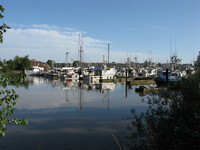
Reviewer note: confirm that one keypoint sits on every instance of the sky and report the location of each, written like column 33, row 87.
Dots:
column 143, row 29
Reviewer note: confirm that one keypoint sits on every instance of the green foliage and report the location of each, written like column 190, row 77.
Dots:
column 197, row 69
column 8, row 98
column 22, row 63
column 76, row 63
column 18, row 63
column 3, row 27
column 172, row 120
column 51, row 63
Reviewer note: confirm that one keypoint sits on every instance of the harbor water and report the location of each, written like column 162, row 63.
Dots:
column 72, row 115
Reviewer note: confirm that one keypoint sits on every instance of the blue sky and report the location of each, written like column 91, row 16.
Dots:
column 47, row 29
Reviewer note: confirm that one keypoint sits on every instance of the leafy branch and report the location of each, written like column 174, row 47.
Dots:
column 8, row 98
column 3, row 27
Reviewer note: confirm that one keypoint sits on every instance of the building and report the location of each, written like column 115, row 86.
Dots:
column 39, row 64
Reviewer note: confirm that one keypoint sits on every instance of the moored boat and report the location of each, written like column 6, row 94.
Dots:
column 167, row 77
column 96, row 74
column 35, row 71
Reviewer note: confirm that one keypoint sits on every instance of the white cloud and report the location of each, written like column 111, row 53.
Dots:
column 43, row 42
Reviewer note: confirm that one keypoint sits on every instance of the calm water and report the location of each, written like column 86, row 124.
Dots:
column 71, row 116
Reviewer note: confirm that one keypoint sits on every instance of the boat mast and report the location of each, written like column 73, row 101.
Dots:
column 108, row 52
column 80, row 48
column 66, row 58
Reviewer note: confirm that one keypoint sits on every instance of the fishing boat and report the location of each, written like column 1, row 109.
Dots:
column 97, row 74
column 167, row 77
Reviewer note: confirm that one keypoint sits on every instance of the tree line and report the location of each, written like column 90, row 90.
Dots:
column 18, row 63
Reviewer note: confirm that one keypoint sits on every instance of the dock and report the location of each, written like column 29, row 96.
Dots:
column 131, row 81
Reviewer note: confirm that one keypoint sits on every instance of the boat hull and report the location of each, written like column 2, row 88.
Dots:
column 160, row 82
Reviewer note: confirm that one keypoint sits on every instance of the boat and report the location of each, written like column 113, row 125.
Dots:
column 71, row 76
column 97, row 74
column 167, row 77
column 35, row 71
column 70, row 73
column 92, row 74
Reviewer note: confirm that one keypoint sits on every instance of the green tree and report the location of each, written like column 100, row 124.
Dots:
column 76, row 63
column 197, row 68
column 51, row 63
column 10, row 64
column 172, row 120
column 22, row 63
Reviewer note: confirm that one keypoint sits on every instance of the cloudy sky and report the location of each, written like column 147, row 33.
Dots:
column 146, row 29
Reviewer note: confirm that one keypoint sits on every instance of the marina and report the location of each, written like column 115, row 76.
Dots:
column 99, row 75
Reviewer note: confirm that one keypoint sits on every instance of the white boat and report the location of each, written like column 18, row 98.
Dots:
column 96, row 74
column 35, row 71
column 70, row 73
column 108, row 73
column 92, row 74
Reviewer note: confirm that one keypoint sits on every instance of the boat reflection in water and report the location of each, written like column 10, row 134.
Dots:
column 103, row 88
column 70, row 115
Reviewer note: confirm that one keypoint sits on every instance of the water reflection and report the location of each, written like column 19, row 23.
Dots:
column 70, row 115
column 80, row 115
column 45, row 93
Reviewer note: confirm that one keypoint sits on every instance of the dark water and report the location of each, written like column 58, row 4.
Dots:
column 71, row 116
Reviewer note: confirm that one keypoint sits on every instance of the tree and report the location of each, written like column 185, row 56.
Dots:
column 76, row 63
column 197, row 68
column 22, row 63
column 11, row 64
column 51, row 63
column 172, row 120
column 18, row 63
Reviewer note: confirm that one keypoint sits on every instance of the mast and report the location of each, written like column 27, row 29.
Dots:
column 108, row 52
column 66, row 58
column 80, row 48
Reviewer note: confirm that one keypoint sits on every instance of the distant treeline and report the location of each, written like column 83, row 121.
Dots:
column 18, row 63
